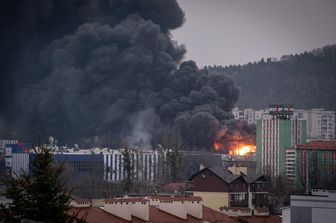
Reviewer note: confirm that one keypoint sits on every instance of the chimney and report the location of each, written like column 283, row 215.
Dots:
column 119, row 207
column 175, row 206
column 125, row 208
column 140, row 208
column 194, row 207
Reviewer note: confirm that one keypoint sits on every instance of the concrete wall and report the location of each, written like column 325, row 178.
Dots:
column 176, row 208
column 195, row 209
column 120, row 209
column 323, row 215
column 140, row 210
column 214, row 200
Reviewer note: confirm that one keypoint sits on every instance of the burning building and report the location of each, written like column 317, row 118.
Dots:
column 236, row 138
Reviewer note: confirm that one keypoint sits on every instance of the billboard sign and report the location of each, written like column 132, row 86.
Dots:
column 281, row 111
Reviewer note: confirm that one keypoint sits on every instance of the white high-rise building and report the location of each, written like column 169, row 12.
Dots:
column 321, row 124
column 249, row 116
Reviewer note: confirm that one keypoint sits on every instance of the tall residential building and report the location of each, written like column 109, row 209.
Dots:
column 315, row 165
column 321, row 124
column 273, row 137
column 290, row 165
column 249, row 116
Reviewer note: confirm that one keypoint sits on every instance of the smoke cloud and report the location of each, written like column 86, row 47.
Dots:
column 82, row 69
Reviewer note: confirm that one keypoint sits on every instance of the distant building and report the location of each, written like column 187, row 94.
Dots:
column 321, row 124
column 315, row 164
column 226, row 192
column 273, row 137
column 290, row 165
column 238, row 114
column 249, row 116
column 319, row 207
column 16, row 157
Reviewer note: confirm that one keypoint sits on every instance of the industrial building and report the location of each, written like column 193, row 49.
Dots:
column 147, row 166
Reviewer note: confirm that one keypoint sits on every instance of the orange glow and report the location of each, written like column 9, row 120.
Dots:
column 243, row 150
column 217, row 146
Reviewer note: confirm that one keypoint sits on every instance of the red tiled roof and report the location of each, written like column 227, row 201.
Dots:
column 212, row 215
column 98, row 215
column 174, row 186
column 319, row 144
column 158, row 216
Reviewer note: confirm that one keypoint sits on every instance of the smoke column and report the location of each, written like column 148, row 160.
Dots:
column 106, row 69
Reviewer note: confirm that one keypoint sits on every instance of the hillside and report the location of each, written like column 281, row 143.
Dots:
column 307, row 80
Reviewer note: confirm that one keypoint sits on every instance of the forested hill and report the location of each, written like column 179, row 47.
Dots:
column 306, row 80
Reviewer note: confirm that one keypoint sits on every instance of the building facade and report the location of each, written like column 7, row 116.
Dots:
column 321, row 124
column 318, row 207
column 224, row 191
column 273, row 137
column 315, row 165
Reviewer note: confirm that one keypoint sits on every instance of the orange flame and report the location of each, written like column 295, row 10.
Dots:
column 243, row 150
column 217, row 146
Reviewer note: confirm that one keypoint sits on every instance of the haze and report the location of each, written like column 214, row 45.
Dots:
column 228, row 32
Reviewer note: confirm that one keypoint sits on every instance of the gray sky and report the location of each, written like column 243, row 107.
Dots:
column 228, row 32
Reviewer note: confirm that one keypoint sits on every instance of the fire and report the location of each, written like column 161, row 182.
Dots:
column 243, row 150
column 217, row 146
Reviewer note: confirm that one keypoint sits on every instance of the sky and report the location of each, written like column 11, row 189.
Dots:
column 226, row 32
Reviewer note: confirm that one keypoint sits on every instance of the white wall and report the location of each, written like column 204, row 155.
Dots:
column 195, row 209
column 323, row 215
column 120, row 209
column 177, row 208
column 141, row 210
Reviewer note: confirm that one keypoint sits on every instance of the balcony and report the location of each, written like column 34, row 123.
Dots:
column 243, row 203
column 236, row 211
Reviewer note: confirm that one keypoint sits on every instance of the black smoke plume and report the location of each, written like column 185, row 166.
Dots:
column 105, row 70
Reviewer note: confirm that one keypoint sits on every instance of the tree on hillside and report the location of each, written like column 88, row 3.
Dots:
column 39, row 195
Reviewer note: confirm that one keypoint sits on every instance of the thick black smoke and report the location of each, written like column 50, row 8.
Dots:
column 105, row 70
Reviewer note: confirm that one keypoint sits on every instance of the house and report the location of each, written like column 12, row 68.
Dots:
column 236, row 195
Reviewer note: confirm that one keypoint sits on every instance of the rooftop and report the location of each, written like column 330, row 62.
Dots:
column 318, row 144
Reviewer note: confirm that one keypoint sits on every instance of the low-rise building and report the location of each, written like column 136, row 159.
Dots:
column 228, row 193
column 319, row 207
